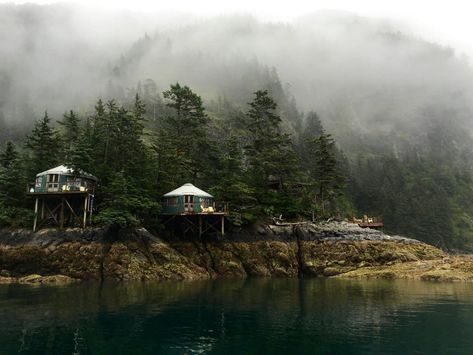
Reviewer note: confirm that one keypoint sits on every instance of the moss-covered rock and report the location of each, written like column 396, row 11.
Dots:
column 311, row 250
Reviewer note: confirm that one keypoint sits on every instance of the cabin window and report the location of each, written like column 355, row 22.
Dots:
column 189, row 202
column 74, row 183
column 53, row 182
column 171, row 201
column 39, row 181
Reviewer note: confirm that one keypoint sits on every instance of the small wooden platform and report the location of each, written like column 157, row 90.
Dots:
column 195, row 214
column 374, row 225
column 62, row 208
column 369, row 222
column 196, row 223
column 57, row 193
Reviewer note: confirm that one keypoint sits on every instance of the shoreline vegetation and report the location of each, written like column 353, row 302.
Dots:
column 333, row 249
column 250, row 158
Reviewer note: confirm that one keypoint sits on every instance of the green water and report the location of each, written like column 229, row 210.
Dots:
column 238, row 317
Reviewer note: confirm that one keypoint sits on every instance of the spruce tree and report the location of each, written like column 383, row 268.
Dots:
column 9, row 155
column 270, row 156
column 228, row 178
column 312, row 129
column 324, row 171
column 69, row 135
column 125, row 205
column 182, row 142
column 12, row 188
column 43, row 147
column 82, row 152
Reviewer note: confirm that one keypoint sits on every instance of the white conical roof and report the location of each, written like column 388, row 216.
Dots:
column 64, row 170
column 188, row 189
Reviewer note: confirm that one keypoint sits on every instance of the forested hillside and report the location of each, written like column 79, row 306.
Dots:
column 398, row 107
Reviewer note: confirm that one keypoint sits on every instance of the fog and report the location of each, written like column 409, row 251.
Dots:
column 361, row 74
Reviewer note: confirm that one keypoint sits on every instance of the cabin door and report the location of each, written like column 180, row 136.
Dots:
column 53, row 182
column 189, row 203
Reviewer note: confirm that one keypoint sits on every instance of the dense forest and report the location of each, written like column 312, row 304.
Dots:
column 337, row 115
column 244, row 158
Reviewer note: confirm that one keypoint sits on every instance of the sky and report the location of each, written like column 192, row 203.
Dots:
column 447, row 22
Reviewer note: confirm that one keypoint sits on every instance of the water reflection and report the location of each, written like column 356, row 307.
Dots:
column 238, row 317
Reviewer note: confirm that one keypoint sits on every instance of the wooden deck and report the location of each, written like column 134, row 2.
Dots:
column 369, row 222
column 375, row 225
column 58, row 193
column 62, row 208
column 196, row 223
column 196, row 214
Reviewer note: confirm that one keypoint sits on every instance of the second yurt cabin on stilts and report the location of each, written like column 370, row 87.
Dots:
column 190, row 210
column 188, row 199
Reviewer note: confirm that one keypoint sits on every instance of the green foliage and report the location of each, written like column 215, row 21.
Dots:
column 247, row 159
column 228, row 181
column 126, row 205
column 69, row 135
column 270, row 158
column 244, row 159
column 182, row 139
column 325, row 167
column 43, row 147
column 8, row 156
column 12, row 189
column 324, row 172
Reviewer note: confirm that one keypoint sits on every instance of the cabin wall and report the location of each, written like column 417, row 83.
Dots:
column 176, row 204
column 41, row 183
column 173, row 205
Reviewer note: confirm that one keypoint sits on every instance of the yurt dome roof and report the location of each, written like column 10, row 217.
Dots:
column 188, row 189
column 64, row 170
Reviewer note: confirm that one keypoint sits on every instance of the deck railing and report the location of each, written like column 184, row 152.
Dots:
column 31, row 188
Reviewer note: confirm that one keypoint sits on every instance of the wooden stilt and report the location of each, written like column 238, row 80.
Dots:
column 223, row 225
column 200, row 226
column 61, row 215
column 85, row 211
column 91, row 207
column 35, row 215
column 43, row 201
column 63, row 209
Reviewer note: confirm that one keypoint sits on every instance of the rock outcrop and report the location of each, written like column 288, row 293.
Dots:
column 308, row 250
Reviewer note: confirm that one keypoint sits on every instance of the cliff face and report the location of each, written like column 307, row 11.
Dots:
column 267, row 251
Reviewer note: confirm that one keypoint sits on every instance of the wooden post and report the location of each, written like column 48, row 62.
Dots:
column 200, row 226
column 91, row 207
column 35, row 215
column 61, row 215
column 42, row 208
column 85, row 210
column 223, row 225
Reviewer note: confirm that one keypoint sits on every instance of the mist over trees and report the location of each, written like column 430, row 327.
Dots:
column 399, row 108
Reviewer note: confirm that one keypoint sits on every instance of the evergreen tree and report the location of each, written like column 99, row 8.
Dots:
column 182, row 144
column 228, row 180
column 69, row 135
column 324, row 171
column 270, row 157
column 12, row 188
column 100, row 138
column 125, row 205
column 312, row 129
column 124, row 164
column 82, row 152
column 9, row 155
column 43, row 148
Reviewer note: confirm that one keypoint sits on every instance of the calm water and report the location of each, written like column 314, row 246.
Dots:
column 238, row 317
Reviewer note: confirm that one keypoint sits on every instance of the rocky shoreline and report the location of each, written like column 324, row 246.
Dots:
column 335, row 249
